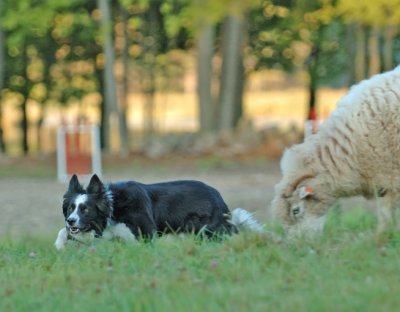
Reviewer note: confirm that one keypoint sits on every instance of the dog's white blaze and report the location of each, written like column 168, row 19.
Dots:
column 80, row 199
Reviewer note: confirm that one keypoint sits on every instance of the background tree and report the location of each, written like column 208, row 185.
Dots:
column 199, row 20
column 43, row 60
column 23, row 34
column 205, row 53
column 54, row 54
column 303, row 35
column 326, row 54
column 110, row 99
column 124, row 81
column 2, row 64
column 376, row 25
column 225, row 22
column 231, row 73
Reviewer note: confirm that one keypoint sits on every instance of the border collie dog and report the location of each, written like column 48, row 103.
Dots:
column 129, row 210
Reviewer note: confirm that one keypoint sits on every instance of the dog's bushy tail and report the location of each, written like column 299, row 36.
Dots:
column 245, row 221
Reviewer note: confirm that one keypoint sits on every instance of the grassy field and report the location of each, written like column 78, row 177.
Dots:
column 342, row 271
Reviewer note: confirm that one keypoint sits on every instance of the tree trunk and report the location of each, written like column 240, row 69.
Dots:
column 110, row 92
column 205, row 48
column 241, row 75
column 104, row 126
column 311, row 120
column 312, row 90
column 149, row 103
column 312, row 99
column 23, row 106
column 123, row 124
column 231, row 54
column 360, row 58
column 151, row 48
column 312, row 69
column 2, row 73
column 24, row 125
column 374, row 53
column 48, row 52
column 351, row 51
column 389, row 35
column 238, row 99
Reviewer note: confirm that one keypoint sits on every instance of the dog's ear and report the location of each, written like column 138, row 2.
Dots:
column 97, row 189
column 95, row 185
column 74, row 185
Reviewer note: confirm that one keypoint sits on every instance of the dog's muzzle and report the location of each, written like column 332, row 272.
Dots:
column 73, row 226
column 73, row 230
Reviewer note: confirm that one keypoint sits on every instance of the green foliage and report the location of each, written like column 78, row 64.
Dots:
column 271, row 36
column 52, row 31
column 54, row 52
column 191, row 15
column 343, row 271
column 287, row 35
column 370, row 12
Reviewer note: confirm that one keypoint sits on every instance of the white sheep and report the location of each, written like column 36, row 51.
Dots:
column 355, row 152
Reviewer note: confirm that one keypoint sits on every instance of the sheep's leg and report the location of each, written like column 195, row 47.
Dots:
column 386, row 217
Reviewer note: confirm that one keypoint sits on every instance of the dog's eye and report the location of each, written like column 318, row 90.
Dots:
column 83, row 209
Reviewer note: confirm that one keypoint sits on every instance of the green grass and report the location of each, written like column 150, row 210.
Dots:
column 344, row 270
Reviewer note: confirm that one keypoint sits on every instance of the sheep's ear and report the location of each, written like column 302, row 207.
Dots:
column 95, row 185
column 74, row 185
column 306, row 192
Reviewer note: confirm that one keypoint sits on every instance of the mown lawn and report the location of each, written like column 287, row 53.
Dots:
column 342, row 271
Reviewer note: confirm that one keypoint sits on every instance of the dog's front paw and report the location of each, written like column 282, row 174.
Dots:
column 59, row 245
column 61, row 240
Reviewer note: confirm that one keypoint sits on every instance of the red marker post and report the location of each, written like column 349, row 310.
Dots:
column 78, row 151
column 311, row 126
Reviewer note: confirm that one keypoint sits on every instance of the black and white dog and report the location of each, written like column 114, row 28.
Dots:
column 128, row 210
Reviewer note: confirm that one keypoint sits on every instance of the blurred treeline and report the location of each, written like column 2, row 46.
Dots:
column 57, row 52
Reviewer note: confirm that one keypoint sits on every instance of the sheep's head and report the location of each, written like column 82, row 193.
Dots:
column 300, row 200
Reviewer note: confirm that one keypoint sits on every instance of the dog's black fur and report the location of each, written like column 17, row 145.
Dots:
column 147, row 209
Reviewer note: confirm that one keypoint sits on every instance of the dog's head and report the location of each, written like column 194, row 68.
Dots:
column 86, row 210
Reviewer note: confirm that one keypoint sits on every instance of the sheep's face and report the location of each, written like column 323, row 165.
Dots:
column 301, row 209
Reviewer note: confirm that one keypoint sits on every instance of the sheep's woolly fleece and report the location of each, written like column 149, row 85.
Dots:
column 355, row 152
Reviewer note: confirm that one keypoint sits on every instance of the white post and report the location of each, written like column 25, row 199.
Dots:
column 61, row 155
column 96, row 151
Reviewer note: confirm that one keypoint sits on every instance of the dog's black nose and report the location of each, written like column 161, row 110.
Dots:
column 71, row 221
